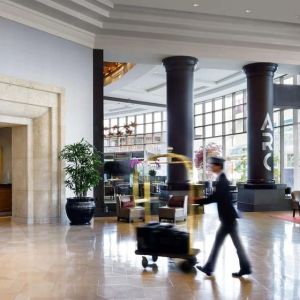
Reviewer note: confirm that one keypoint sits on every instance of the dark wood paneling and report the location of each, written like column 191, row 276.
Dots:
column 98, row 122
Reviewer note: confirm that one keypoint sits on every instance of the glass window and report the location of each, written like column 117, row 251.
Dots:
column 149, row 118
column 130, row 140
column 148, row 139
column 288, row 170
column 236, row 155
column 198, row 120
column 218, row 103
column 106, row 124
column 218, row 116
column 122, row 121
column 157, row 127
column 139, row 139
column 218, row 129
column 208, row 118
column 130, row 120
column 288, row 116
column 140, row 119
column 288, row 80
column 165, row 126
column 245, row 110
column 208, row 106
column 239, row 111
column 228, row 101
column 113, row 122
column 276, row 118
column 239, row 98
column 140, row 129
column 277, row 154
column 149, row 128
column 228, row 128
column 157, row 138
column 199, row 132
column 228, row 114
column 157, row 117
column 208, row 131
column 239, row 126
column 165, row 115
column 198, row 108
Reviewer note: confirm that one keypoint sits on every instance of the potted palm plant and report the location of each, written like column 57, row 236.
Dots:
column 82, row 168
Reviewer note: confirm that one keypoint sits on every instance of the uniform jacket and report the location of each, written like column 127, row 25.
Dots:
column 223, row 198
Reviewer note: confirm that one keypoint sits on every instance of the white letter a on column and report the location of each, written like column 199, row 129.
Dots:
column 267, row 123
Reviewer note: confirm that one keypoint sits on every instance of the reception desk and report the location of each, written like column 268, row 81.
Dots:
column 5, row 199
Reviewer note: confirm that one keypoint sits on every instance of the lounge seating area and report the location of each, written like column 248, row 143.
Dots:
column 127, row 209
column 175, row 210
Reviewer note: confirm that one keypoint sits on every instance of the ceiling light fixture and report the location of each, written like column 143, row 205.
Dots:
column 196, row 4
column 248, row 11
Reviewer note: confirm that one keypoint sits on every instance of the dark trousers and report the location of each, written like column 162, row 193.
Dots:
column 222, row 232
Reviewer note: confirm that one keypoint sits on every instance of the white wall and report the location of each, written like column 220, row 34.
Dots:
column 29, row 54
column 5, row 145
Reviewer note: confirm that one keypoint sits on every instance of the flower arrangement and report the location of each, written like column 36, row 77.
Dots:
column 133, row 163
column 211, row 149
column 119, row 131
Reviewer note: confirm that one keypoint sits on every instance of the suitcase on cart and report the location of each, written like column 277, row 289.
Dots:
column 158, row 239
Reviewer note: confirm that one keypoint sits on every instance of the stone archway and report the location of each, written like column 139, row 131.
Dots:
column 36, row 114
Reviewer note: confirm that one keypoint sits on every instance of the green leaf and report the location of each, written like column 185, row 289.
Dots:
column 83, row 166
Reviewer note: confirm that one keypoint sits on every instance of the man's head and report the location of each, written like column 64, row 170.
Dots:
column 216, row 164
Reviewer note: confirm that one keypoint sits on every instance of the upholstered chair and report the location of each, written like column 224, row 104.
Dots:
column 295, row 202
column 127, row 210
column 175, row 210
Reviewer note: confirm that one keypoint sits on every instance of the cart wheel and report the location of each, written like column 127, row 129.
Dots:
column 145, row 262
column 154, row 258
column 192, row 261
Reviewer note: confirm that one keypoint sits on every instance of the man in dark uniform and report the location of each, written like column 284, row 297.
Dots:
column 227, row 216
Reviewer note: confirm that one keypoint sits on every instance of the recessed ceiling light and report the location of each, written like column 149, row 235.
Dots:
column 196, row 4
column 248, row 11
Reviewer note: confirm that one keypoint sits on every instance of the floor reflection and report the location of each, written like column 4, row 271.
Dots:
column 98, row 262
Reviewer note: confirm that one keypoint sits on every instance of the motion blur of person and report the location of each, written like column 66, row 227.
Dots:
column 227, row 215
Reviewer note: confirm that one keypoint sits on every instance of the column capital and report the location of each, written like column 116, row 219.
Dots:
column 179, row 62
column 264, row 68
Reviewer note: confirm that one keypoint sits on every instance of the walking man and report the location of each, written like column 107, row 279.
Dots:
column 227, row 216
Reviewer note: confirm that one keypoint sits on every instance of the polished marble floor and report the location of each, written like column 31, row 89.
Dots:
column 98, row 262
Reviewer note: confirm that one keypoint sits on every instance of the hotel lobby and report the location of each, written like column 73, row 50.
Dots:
column 111, row 113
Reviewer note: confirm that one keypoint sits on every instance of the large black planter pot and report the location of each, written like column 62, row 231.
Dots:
column 80, row 211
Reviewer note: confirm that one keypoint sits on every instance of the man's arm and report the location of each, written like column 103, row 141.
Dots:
column 220, row 188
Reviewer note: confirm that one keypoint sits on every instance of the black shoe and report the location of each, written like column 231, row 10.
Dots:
column 241, row 273
column 204, row 270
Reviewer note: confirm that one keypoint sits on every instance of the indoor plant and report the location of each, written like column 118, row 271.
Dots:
column 82, row 170
column 152, row 174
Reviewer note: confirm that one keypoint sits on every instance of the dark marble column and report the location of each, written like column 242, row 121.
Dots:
column 98, row 122
column 260, row 128
column 180, row 112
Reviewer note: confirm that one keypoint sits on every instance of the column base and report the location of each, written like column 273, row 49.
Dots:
column 262, row 198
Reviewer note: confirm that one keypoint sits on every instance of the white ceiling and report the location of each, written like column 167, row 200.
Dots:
column 273, row 10
column 147, row 83
column 218, row 32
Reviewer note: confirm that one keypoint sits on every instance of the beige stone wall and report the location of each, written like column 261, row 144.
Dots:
column 35, row 113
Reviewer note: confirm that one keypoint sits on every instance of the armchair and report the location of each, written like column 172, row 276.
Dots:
column 295, row 202
column 175, row 210
column 127, row 210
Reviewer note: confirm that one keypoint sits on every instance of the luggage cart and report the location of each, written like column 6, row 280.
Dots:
column 190, row 258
